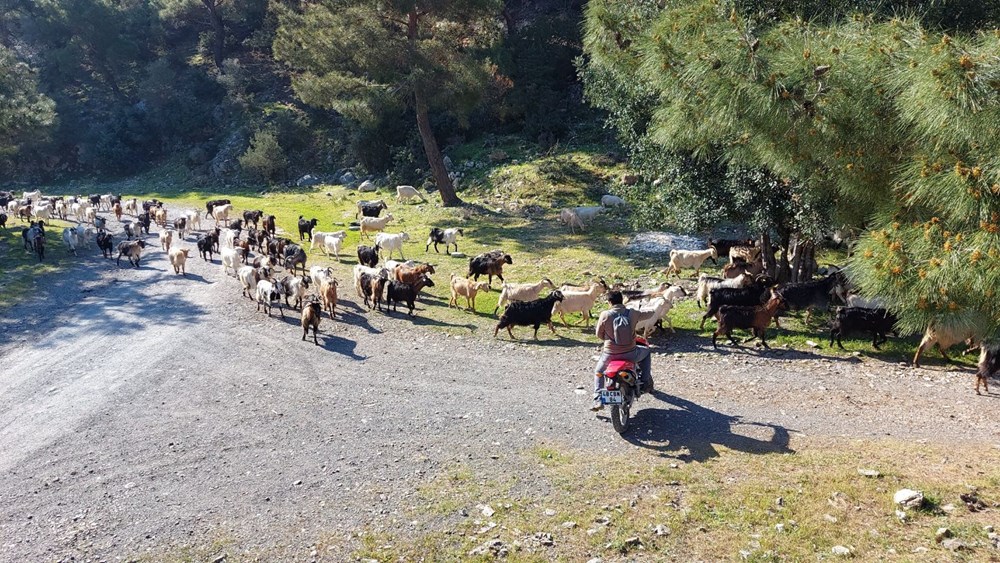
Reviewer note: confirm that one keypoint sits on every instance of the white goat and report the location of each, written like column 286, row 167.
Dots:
column 71, row 239
column 680, row 259
column 268, row 294
column 319, row 236
column 230, row 260
column 193, row 217
column 249, row 276
column 406, row 193
column 131, row 206
column 332, row 243
column 707, row 283
column 572, row 220
column 389, row 242
column 521, row 292
column 610, row 200
column 855, row 300
column 221, row 213
column 319, row 273
column 579, row 302
column 944, row 337
column 374, row 224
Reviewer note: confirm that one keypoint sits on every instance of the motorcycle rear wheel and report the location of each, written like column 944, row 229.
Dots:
column 620, row 413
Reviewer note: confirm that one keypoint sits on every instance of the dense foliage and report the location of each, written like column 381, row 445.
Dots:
column 874, row 122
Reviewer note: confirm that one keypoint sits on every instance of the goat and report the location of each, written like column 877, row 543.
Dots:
column 297, row 287
column 722, row 246
column 178, row 259
column 311, row 314
column 253, row 217
column 410, row 274
column 749, row 253
column 372, row 288
column 680, row 259
column 529, row 313
column 328, row 295
column 510, row 292
column 374, row 224
column 268, row 295
column 879, row 322
column 748, row 296
column 211, row 204
column 269, row 226
column 942, row 337
column 988, row 365
column 489, row 264
column 660, row 307
column 221, row 213
column 756, row 318
column 332, row 243
column 207, row 244
column 406, row 193
column 609, row 200
column 580, row 301
column 401, row 291
column 249, row 276
column 160, row 217
column 166, row 238
column 446, row 237
column 707, row 283
column 106, row 243
column 3, row 221
column 131, row 206
column 180, row 225
column 811, row 294
column 230, row 260
column 71, row 240
column 306, row 227
column 295, row 257
column 132, row 249
column 371, row 208
column 390, row 242
column 855, row 300
column 319, row 237
column 571, row 219
column 193, row 220
column 468, row 289
column 368, row 255
column 143, row 221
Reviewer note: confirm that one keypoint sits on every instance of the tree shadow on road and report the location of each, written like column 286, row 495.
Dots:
column 690, row 432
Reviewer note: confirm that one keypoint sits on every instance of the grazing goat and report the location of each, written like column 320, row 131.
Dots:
column 988, row 365
column 249, row 276
column 446, row 237
column 166, row 239
column 131, row 249
column 510, row 292
column 707, row 283
column 580, row 301
column 268, row 295
column 294, row 286
column 328, row 295
column 489, row 264
column 211, row 204
column 368, row 255
column 680, row 259
column 879, row 322
column 756, row 319
column 390, row 242
column 306, row 227
column 374, row 224
column 401, row 291
column 311, row 314
column 572, row 220
column 811, row 294
column 332, row 242
column 943, row 337
column 748, row 296
column 178, row 259
column 106, row 243
column 410, row 274
column 406, row 193
column 371, row 208
column 466, row 288
column 609, row 200
column 529, row 313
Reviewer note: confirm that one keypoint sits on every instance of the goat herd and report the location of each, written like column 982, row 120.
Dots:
column 743, row 298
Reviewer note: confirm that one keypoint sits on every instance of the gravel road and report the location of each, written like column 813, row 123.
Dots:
column 143, row 411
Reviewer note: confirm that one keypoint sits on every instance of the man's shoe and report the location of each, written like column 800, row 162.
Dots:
column 598, row 405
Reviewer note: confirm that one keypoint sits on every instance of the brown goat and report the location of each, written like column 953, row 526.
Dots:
column 410, row 274
column 311, row 314
column 756, row 319
column 740, row 267
column 466, row 288
column 328, row 294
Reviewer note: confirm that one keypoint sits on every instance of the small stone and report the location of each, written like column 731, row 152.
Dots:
column 602, row 520
column 591, row 531
column 901, row 515
column 595, row 560
column 779, row 528
column 569, row 524
column 941, row 534
column 841, row 551
column 488, row 511
column 908, row 498
column 954, row 545
column 779, row 501
column 812, row 344
column 869, row 473
column 220, row 558
column 458, row 255
column 949, row 508
column 297, row 483
column 544, row 538
column 830, row 518
column 661, row 530
column 988, row 529
column 550, row 512
column 633, row 541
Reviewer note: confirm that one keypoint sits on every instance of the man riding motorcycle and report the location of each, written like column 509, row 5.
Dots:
column 616, row 327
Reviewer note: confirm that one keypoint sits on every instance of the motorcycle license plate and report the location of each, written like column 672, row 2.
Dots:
column 611, row 397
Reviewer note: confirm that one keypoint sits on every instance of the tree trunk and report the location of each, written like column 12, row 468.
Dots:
column 797, row 261
column 448, row 196
column 766, row 255
column 219, row 31
column 783, row 268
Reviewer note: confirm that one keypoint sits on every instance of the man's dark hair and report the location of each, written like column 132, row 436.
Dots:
column 615, row 297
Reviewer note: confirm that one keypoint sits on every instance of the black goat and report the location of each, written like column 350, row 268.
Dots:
column 210, row 205
column 295, row 256
column 269, row 226
column 3, row 221
column 253, row 217
column 750, row 296
column 149, row 204
column 143, row 222
column 878, row 322
column 372, row 288
column 129, row 233
column 489, row 264
column 207, row 244
column 131, row 249
column 370, row 208
column 988, row 366
column 106, row 243
column 306, row 227
column 276, row 247
column 368, row 255
column 402, row 291
column 812, row 294
column 529, row 313
column 723, row 245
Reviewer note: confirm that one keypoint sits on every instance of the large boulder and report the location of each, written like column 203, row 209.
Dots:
column 447, row 163
column 367, row 186
column 308, row 180
column 348, row 178
column 226, row 159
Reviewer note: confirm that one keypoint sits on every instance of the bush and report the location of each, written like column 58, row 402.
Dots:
column 265, row 158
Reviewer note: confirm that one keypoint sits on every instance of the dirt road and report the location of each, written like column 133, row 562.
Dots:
column 141, row 411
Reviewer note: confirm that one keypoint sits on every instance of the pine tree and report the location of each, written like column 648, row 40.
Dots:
column 362, row 58
column 24, row 112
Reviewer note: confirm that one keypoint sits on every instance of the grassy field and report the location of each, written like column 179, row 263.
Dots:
column 21, row 269
column 512, row 205
column 647, row 507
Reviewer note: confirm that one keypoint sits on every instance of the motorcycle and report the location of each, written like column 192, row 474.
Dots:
column 621, row 389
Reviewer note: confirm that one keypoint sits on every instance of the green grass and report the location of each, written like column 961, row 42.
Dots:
column 22, row 270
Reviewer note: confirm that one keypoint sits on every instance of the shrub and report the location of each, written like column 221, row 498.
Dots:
column 265, row 158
